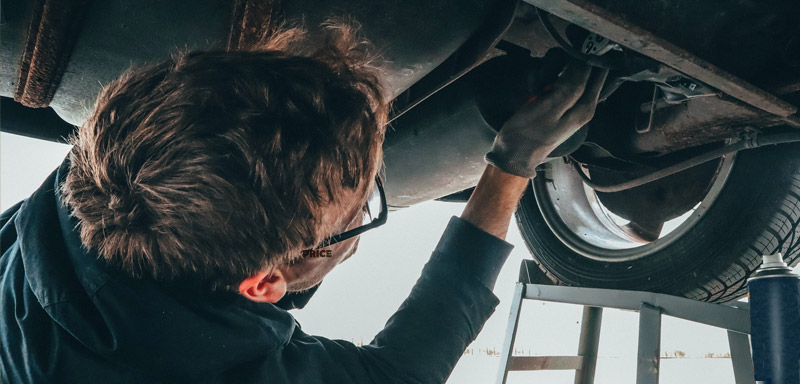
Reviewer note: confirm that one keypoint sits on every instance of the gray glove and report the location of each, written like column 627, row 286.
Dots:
column 534, row 131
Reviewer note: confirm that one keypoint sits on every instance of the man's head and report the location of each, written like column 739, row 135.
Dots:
column 212, row 169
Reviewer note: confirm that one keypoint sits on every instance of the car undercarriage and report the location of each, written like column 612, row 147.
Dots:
column 685, row 176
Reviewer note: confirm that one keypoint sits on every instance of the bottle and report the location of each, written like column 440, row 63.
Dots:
column 774, row 293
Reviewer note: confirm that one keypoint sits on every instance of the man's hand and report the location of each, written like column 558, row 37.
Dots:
column 540, row 126
column 525, row 141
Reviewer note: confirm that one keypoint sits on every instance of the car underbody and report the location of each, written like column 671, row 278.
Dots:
column 691, row 85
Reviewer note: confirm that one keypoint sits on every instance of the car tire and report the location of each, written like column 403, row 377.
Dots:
column 756, row 212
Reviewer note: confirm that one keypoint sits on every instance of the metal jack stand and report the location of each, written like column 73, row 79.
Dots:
column 732, row 316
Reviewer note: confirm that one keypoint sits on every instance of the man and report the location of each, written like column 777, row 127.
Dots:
column 200, row 193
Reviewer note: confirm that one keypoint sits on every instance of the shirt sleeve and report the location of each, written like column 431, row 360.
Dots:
column 423, row 340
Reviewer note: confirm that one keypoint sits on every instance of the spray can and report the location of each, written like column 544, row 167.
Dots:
column 774, row 293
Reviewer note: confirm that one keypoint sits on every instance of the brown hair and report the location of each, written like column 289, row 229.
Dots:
column 211, row 166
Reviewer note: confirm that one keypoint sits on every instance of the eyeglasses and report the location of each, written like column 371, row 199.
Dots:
column 375, row 214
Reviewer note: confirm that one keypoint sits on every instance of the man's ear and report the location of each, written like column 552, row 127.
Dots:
column 264, row 287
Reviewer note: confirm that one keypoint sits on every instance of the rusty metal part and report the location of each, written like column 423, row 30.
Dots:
column 696, row 122
column 52, row 32
column 413, row 37
column 616, row 28
column 251, row 21
column 541, row 363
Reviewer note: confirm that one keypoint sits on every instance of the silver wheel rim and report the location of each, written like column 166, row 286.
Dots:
column 575, row 215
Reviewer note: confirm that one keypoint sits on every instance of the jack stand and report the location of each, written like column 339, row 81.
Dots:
column 734, row 317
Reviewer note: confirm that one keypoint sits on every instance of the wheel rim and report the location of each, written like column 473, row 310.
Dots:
column 576, row 216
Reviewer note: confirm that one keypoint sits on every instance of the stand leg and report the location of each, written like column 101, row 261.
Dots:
column 741, row 358
column 511, row 333
column 649, row 345
column 588, row 344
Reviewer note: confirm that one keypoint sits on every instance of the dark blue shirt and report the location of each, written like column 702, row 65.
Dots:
column 67, row 318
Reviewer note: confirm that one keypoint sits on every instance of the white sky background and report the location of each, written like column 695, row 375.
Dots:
column 359, row 296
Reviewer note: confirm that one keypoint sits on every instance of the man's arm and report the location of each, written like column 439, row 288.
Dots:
column 453, row 297
column 494, row 200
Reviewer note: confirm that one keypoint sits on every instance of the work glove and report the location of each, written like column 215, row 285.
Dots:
column 547, row 120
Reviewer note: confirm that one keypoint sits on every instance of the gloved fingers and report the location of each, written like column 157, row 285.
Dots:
column 567, row 89
column 584, row 108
